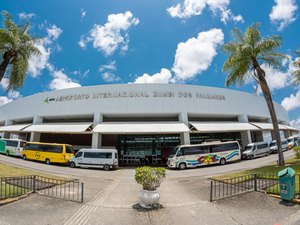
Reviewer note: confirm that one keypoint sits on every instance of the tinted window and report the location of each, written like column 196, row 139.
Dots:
column 11, row 143
column 262, row 146
column 194, row 150
column 69, row 149
column 105, row 155
column 22, row 144
column 34, row 147
column 116, row 155
column 78, row 154
column 224, row 147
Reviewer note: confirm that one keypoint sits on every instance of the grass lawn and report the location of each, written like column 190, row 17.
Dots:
column 272, row 169
column 7, row 170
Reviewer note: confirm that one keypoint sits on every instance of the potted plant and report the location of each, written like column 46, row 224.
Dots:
column 150, row 178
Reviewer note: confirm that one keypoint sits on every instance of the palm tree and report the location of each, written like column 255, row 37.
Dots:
column 296, row 64
column 248, row 52
column 16, row 47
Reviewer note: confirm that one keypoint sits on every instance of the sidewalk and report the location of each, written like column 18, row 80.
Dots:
column 184, row 200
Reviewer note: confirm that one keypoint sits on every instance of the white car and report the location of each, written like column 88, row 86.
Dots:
column 284, row 146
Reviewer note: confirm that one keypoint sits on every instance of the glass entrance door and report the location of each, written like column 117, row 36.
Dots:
column 146, row 149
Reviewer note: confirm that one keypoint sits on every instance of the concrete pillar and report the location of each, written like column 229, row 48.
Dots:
column 97, row 137
column 185, row 136
column 34, row 136
column 7, row 134
column 245, row 135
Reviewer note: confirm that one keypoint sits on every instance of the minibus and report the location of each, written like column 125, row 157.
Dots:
column 293, row 141
column 256, row 149
column 95, row 158
column 185, row 156
column 273, row 146
column 48, row 152
column 13, row 147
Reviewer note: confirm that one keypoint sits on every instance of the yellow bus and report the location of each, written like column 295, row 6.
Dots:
column 48, row 152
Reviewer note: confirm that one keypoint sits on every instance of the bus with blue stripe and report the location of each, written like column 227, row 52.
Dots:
column 186, row 156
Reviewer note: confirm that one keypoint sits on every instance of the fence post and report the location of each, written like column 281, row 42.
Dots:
column 82, row 188
column 211, row 191
column 34, row 183
column 255, row 182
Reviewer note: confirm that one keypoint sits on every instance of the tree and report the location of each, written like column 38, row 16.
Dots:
column 247, row 52
column 16, row 47
column 296, row 64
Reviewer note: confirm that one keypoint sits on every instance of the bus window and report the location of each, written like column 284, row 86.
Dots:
column 69, row 149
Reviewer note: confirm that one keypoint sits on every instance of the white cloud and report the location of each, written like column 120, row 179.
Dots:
column 62, row 81
column 276, row 79
column 37, row 63
column 110, row 77
column 82, row 13
column 81, row 74
column 11, row 95
column 291, row 102
column 163, row 77
column 196, row 54
column 26, row 16
column 283, row 13
column 112, row 35
column 295, row 123
column 54, row 32
column 191, row 8
column 111, row 66
column 4, row 100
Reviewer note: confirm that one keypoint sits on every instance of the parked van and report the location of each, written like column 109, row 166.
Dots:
column 13, row 146
column 293, row 141
column 256, row 149
column 273, row 146
column 95, row 158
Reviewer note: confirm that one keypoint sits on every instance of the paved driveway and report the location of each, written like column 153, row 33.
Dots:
column 110, row 198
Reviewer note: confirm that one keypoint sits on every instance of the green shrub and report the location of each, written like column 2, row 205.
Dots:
column 150, row 178
column 297, row 151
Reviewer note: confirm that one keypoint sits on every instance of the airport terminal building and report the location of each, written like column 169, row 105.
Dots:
column 142, row 121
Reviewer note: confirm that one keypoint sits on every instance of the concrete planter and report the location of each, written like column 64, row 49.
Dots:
column 148, row 198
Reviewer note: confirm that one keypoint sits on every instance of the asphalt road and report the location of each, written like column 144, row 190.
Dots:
column 206, row 171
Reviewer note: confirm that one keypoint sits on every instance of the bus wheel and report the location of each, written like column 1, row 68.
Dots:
column 222, row 161
column 182, row 166
column 47, row 161
column 24, row 157
column 72, row 165
column 106, row 167
column 7, row 153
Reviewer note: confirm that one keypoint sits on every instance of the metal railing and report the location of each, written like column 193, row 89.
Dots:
column 267, row 183
column 71, row 190
column 220, row 189
column 12, row 187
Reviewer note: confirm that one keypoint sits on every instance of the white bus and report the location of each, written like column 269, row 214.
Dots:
column 204, row 154
column 293, row 141
column 13, row 146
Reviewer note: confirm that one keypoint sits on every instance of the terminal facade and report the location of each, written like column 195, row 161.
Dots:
column 142, row 121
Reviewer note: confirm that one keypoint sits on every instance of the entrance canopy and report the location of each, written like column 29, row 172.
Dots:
column 60, row 128
column 141, row 128
column 222, row 126
column 269, row 126
column 14, row 128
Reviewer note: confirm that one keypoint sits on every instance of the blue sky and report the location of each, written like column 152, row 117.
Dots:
column 105, row 42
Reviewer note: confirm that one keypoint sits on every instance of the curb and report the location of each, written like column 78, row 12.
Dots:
column 297, row 201
column 11, row 200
